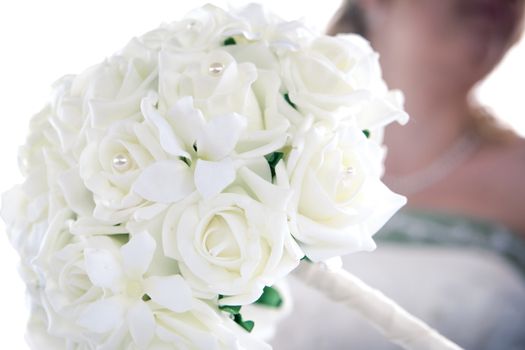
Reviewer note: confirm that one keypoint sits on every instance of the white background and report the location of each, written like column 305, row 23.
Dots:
column 43, row 40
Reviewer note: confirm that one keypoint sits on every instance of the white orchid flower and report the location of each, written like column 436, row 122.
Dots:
column 123, row 277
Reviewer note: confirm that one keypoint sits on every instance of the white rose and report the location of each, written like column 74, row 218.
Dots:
column 41, row 139
column 67, row 116
column 339, row 198
column 232, row 244
column 217, row 82
column 202, row 328
column 27, row 210
column 332, row 77
column 51, row 185
column 62, row 289
column 379, row 112
column 39, row 337
column 114, row 89
column 64, row 285
column 111, row 167
column 201, row 29
column 96, row 294
column 101, row 95
column 268, row 28
column 211, row 27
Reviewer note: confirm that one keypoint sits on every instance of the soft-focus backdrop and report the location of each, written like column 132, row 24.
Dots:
column 43, row 40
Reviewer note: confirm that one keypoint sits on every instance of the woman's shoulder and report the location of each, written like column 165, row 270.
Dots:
column 489, row 186
column 505, row 167
column 499, row 175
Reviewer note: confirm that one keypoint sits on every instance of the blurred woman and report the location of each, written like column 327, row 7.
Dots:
column 455, row 257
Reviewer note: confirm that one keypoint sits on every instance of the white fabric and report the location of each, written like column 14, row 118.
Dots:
column 474, row 297
column 395, row 323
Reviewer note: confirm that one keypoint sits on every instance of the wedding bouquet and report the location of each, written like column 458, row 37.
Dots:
column 171, row 186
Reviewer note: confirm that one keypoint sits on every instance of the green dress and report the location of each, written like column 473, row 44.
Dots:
column 419, row 227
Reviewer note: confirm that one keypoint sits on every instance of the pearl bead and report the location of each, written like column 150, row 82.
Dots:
column 191, row 25
column 216, row 69
column 348, row 175
column 121, row 163
column 349, row 171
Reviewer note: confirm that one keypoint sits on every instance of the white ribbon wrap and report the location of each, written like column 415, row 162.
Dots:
column 394, row 322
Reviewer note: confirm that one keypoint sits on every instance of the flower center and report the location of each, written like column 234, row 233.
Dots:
column 121, row 163
column 349, row 183
column 216, row 69
column 348, row 175
column 134, row 289
column 220, row 241
column 191, row 25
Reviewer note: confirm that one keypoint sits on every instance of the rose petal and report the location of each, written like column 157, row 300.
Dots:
column 13, row 202
column 384, row 202
column 149, row 212
column 315, row 202
column 186, row 333
column 187, row 230
column 171, row 292
column 321, row 242
column 141, row 324
column 165, row 182
column 138, row 253
column 212, row 177
column 88, row 226
column 378, row 113
column 75, row 192
column 251, row 147
column 268, row 193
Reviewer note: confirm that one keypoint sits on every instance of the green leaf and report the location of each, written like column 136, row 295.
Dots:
column 273, row 159
column 367, row 133
column 122, row 238
column 270, row 298
column 231, row 309
column 186, row 160
column 307, row 259
column 287, row 98
column 229, row 41
column 234, row 311
column 247, row 325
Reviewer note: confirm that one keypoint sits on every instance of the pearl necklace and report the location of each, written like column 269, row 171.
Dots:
column 439, row 169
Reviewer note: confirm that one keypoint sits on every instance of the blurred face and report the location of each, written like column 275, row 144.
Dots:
column 447, row 43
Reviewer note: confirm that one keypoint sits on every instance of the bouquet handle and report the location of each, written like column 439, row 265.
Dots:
column 396, row 324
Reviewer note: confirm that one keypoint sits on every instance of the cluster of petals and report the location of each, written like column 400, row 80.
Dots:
column 190, row 170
